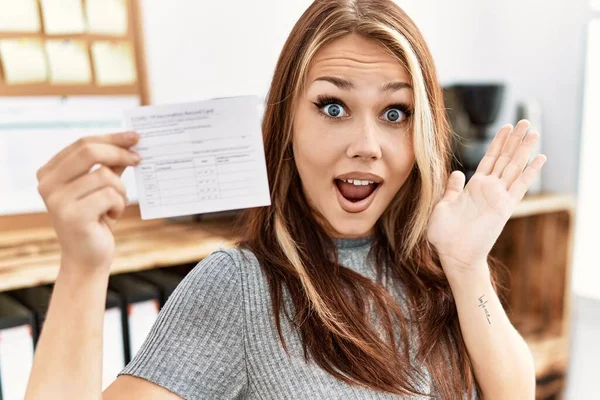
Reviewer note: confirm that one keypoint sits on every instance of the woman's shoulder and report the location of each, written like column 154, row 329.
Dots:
column 227, row 259
column 237, row 255
column 196, row 346
column 223, row 268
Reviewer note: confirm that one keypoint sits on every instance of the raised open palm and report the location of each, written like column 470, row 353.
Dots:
column 468, row 220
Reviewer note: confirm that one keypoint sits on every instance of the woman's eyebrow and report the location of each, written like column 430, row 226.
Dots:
column 345, row 84
column 395, row 86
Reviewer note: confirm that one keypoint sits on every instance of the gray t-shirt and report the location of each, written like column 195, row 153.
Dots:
column 216, row 337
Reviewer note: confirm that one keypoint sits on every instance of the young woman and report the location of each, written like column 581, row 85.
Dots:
column 367, row 278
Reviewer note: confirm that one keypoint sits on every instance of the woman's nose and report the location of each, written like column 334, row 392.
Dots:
column 365, row 144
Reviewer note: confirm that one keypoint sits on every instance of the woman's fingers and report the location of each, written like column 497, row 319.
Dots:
column 87, row 184
column 107, row 200
column 511, row 146
column 66, row 182
column 81, row 160
column 121, row 139
column 118, row 170
column 489, row 160
column 520, row 186
column 519, row 160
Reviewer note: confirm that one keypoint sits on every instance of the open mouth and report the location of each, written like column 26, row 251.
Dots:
column 355, row 190
column 356, row 195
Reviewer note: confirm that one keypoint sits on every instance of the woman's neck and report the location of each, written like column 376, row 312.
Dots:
column 349, row 243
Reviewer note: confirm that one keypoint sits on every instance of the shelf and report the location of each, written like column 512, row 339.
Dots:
column 47, row 89
column 550, row 354
column 31, row 257
column 544, row 203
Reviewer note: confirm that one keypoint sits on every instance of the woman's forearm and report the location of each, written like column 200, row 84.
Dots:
column 501, row 359
column 68, row 358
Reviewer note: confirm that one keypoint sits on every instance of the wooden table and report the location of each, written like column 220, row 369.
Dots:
column 31, row 257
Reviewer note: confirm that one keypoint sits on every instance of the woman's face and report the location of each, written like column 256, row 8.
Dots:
column 351, row 138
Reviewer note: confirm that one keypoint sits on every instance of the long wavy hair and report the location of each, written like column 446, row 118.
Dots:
column 351, row 326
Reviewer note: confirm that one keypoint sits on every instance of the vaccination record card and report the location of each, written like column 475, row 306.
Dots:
column 199, row 157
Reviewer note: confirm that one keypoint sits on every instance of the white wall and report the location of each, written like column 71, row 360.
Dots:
column 203, row 49
column 586, row 278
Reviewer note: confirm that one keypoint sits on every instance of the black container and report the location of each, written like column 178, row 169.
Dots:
column 182, row 269
column 482, row 103
column 164, row 281
column 12, row 315
column 131, row 290
column 112, row 299
column 37, row 300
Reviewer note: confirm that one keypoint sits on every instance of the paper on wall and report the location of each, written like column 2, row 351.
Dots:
column 23, row 61
column 114, row 63
column 62, row 17
column 107, row 17
column 19, row 16
column 200, row 157
column 16, row 360
column 113, row 359
column 142, row 316
column 69, row 62
column 50, row 123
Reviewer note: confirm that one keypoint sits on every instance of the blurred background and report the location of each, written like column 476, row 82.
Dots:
column 69, row 68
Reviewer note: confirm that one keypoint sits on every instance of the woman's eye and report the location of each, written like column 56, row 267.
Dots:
column 393, row 114
column 334, row 110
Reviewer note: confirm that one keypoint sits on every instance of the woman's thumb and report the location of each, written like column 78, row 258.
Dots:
column 456, row 183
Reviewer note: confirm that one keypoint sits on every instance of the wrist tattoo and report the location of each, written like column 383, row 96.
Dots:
column 482, row 304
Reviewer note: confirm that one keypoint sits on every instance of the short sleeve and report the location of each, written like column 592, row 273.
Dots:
column 196, row 346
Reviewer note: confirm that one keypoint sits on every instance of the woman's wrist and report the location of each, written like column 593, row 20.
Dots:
column 72, row 272
column 460, row 276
